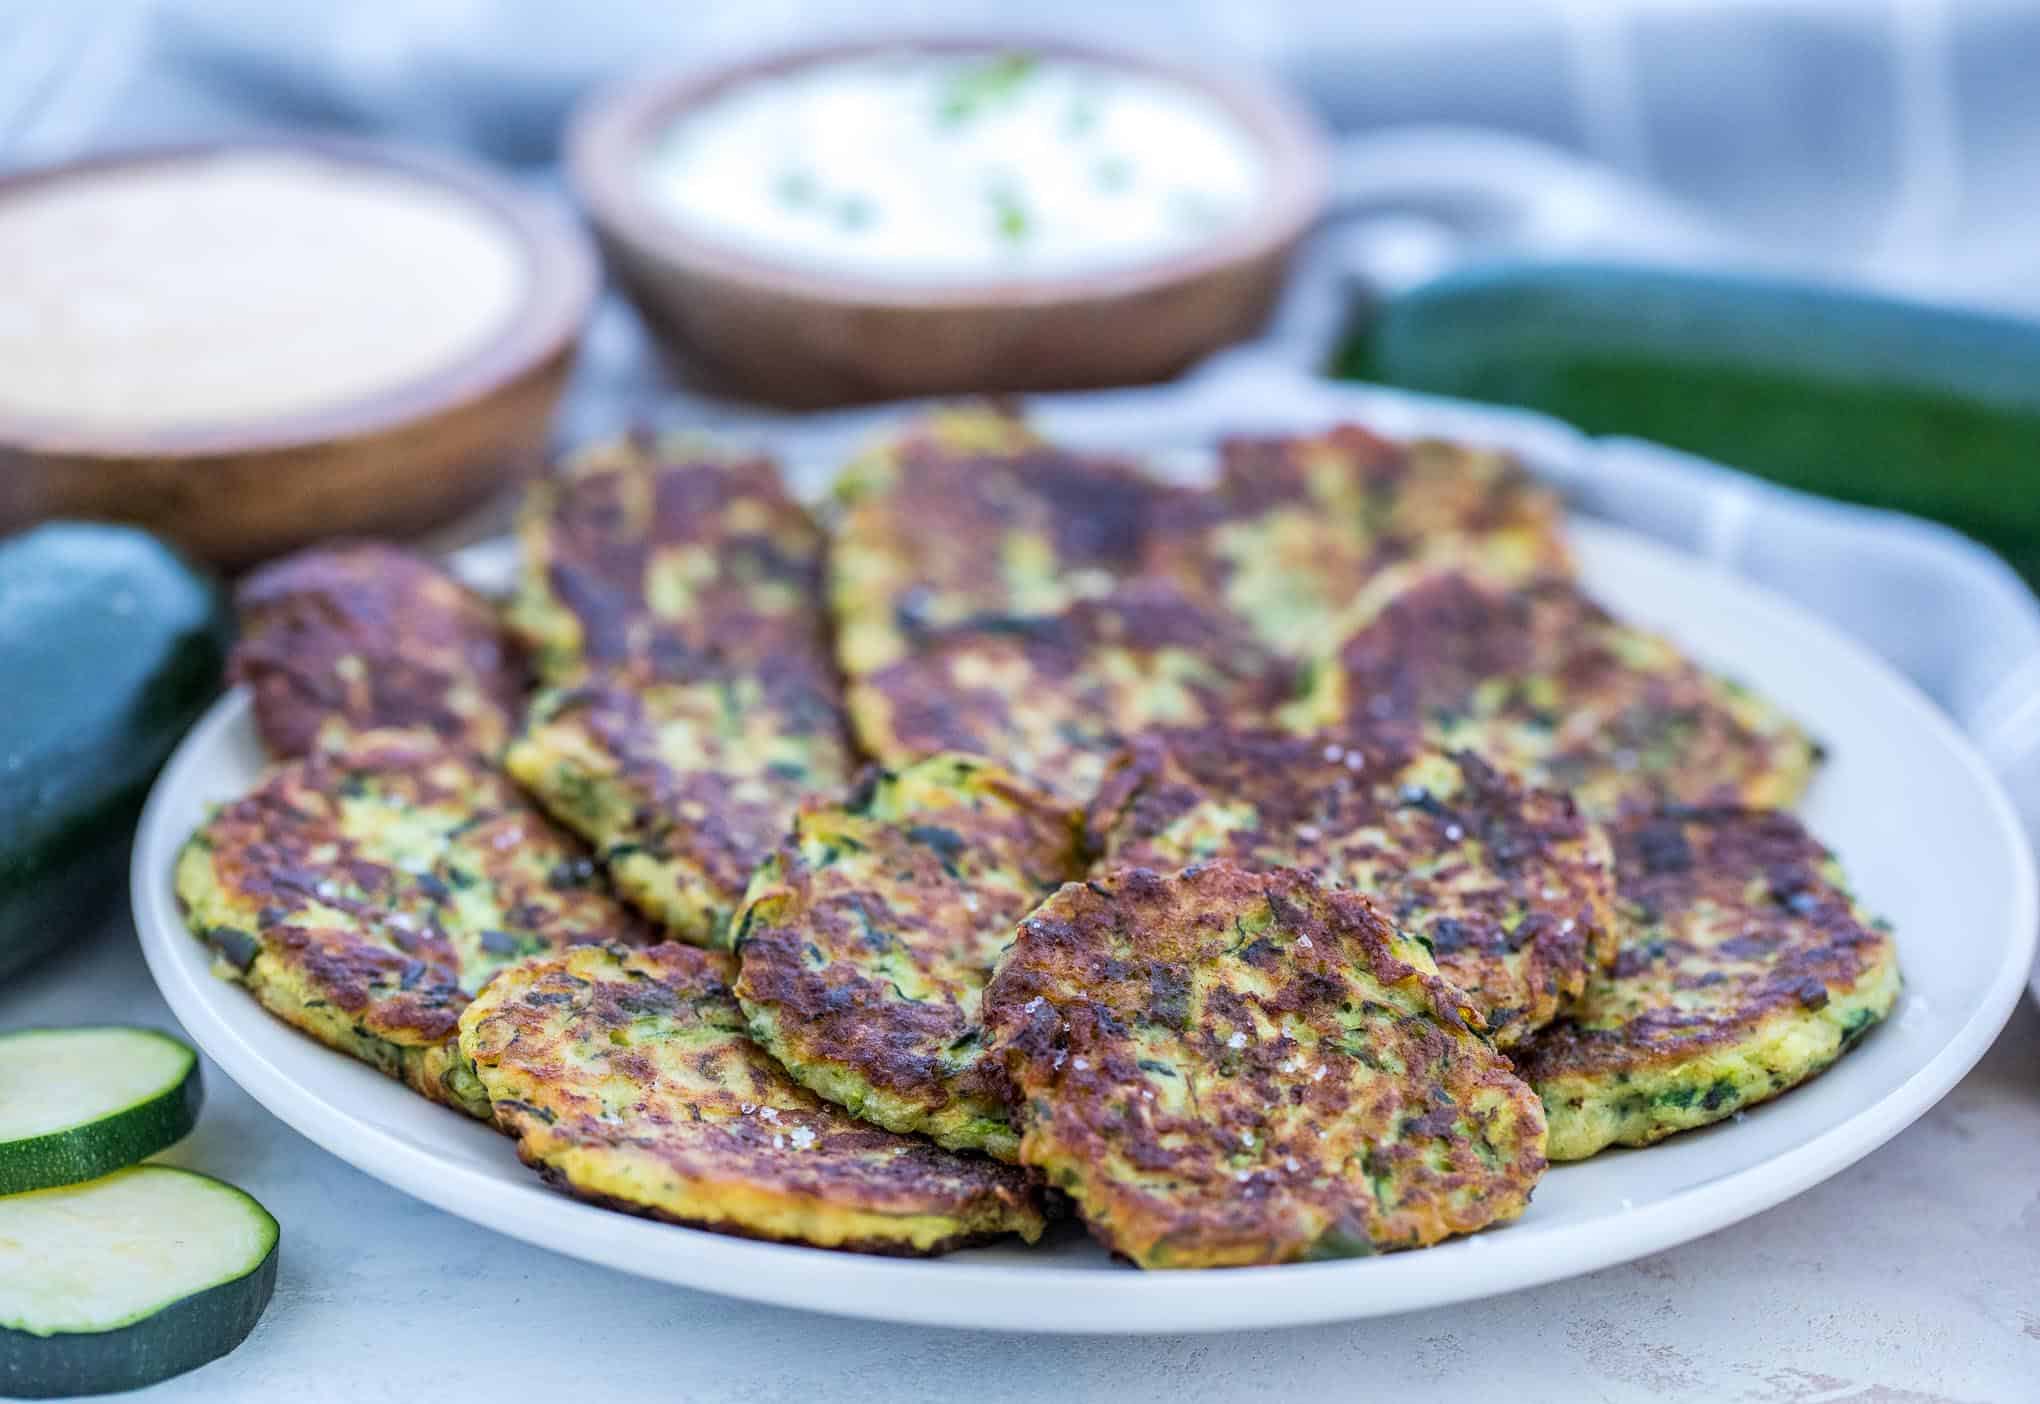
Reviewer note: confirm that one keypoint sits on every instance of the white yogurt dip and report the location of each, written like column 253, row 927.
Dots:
column 918, row 167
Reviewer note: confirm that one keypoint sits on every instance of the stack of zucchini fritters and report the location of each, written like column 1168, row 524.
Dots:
column 1275, row 870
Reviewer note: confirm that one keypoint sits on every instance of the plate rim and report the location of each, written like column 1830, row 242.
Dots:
column 1085, row 1300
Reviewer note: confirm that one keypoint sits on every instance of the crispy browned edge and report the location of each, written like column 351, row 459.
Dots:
column 416, row 631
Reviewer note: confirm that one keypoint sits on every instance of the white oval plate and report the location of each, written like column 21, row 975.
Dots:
column 1925, row 833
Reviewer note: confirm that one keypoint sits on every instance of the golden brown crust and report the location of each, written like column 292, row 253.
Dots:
column 1541, row 680
column 684, row 787
column 1225, row 1068
column 1736, row 916
column 671, row 594
column 349, row 638
column 1054, row 698
column 874, row 1245
column 1297, row 525
column 667, row 559
column 627, row 1079
column 376, row 886
column 866, row 942
column 965, row 520
column 1509, row 887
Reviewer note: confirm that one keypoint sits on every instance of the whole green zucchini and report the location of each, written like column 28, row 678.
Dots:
column 111, row 644
column 1895, row 404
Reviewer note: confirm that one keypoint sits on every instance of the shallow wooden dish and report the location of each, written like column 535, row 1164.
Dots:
column 393, row 462
column 799, row 337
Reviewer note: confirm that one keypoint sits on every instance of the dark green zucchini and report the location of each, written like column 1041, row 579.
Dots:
column 123, row 1281
column 111, row 644
column 1869, row 399
column 76, row 1104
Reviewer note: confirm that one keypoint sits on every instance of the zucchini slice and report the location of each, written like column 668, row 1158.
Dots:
column 76, row 1104
column 126, row 1280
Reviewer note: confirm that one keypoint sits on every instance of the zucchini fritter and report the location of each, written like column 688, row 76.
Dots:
column 666, row 559
column 966, row 520
column 1296, row 526
column 1509, row 888
column 673, row 599
column 627, row 1079
column 866, row 941
column 1747, row 969
column 363, row 894
column 1544, row 682
column 1226, row 1068
column 684, row 787
column 1053, row 698
column 343, row 639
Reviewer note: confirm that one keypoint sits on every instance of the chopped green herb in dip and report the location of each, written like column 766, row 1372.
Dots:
column 931, row 168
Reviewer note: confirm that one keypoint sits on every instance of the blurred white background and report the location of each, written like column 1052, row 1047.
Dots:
column 1893, row 142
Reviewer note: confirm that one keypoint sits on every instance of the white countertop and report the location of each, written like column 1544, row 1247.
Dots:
column 1912, row 1278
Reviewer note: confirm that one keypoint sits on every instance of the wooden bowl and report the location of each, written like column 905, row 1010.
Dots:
column 796, row 336
column 392, row 462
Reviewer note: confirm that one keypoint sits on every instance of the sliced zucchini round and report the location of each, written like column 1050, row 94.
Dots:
column 127, row 1280
column 76, row 1104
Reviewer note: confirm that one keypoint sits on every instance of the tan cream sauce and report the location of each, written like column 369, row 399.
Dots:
column 225, row 290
